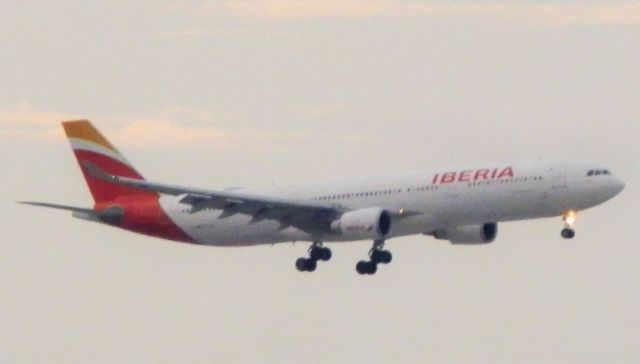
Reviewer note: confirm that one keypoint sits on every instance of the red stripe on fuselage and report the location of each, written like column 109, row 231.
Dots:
column 143, row 214
column 142, row 211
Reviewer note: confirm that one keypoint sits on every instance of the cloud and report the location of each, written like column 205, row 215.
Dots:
column 24, row 115
column 286, row 9
column 161, row 133
column 22, row 122
column 170, row 127
column 546, row 14
column 176, row 127
column 220, row 32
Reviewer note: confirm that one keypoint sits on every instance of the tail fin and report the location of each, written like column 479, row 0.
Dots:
column 89, row 146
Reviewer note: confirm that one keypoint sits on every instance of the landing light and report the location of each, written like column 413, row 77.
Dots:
column 570, row 218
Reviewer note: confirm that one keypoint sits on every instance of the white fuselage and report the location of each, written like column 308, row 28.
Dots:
column 431, row 201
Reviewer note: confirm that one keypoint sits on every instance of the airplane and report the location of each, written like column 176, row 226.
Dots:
column 461, row 205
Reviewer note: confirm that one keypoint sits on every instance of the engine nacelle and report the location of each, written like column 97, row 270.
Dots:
column 369, row 223
column 469, row 234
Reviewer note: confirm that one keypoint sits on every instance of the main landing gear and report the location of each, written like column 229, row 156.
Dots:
column 316, row 252
column 377, row 255
column 568, row 219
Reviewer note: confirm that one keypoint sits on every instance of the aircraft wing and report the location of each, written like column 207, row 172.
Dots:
column 305, row 215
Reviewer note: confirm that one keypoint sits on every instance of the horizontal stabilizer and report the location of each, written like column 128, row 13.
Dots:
column 112, row 215
column 59, row 207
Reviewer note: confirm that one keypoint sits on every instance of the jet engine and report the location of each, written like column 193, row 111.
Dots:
column 369, row 223
column 469, row 234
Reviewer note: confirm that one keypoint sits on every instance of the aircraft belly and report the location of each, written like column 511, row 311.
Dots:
column 494, row 206
column 461, row 207
column 417, row 224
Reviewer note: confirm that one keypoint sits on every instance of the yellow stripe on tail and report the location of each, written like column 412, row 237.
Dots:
column 92, row 148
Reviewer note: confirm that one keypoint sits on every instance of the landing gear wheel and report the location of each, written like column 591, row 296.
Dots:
column 301, row 264
column 362, row 266
column 326, row 254
column 315, row 253
column 377, row 255
column 366, row 267
column 306, row 265
column 381, row 256
column 372, row 268
column 311, row 265
column 568, row 233
column 318, row 253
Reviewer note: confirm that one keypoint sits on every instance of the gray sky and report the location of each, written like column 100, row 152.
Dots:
column 252, row 93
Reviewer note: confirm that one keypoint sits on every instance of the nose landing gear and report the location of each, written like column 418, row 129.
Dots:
column 569, row 220
column 377, row 255
column 316, row 252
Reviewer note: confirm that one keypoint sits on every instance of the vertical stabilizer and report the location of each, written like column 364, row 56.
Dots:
column 89, row 146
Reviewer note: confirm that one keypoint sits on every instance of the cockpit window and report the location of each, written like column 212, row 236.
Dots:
column 598, row 172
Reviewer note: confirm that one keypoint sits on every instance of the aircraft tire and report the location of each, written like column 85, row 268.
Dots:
column 326, row 254
column 301, row 264
column 311, row 265
column 381, row 256
column 362, row 267
column 316, row 253
column 366, row 267
column 568, row 233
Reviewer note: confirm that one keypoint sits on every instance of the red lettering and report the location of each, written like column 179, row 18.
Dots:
column 484, row 173
column 507, row 172
column 448, row 177
column 470, row 175
column 465, row 176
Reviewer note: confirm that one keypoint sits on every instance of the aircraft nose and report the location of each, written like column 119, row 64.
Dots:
column 617, row 185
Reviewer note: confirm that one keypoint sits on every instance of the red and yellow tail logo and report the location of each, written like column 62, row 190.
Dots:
column 92, row 147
